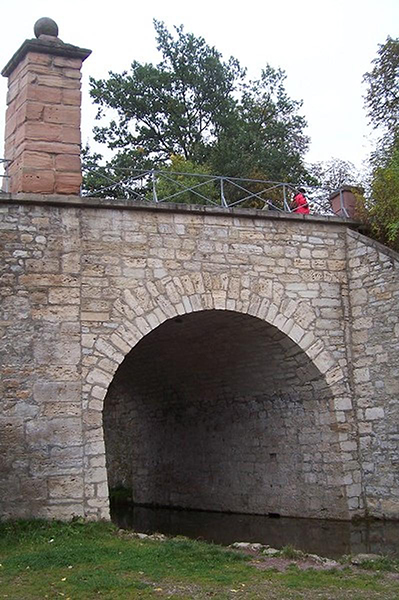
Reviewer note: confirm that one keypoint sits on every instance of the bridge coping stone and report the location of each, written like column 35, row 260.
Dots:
column 128, row 204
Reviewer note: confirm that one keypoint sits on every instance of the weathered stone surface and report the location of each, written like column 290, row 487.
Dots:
column 288, row 405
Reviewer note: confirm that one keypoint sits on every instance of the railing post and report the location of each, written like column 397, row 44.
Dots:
column 154, row 186
column 6, row 177
column 222, row 198
column 344, row 212
column 286, row 205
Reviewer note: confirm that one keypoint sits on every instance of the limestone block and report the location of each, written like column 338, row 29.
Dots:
column 343, row 404
column 94, row 316
column 120, row 342
column 374, row 413
column 361, row 375
column 99, row 378
column 98, row 392
column 348, row 446
column 95, row 475
column 98, row 461
column 57, row 392
column 61, row 409
column 64, row 295
column 94, row 448
column 108, row 350
column 65, row 487
column 92, row 418
column 11, row 432
column 44, row 433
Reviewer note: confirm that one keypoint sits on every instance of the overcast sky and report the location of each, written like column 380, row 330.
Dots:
column 325, row 47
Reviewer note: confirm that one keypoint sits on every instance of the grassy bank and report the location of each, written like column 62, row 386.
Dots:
column 78, row 561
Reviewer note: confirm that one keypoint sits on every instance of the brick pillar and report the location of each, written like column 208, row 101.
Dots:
column 344, row 203
column 42, row 133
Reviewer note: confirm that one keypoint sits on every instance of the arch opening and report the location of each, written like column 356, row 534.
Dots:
column 217, row 410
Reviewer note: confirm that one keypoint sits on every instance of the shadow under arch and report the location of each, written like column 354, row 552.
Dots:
column 219, row 410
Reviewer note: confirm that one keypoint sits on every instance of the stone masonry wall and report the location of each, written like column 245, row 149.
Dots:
column 374, row 300
column 83, row 282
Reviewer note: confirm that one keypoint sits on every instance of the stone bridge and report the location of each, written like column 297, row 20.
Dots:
column 224, row 360
column 228, row 360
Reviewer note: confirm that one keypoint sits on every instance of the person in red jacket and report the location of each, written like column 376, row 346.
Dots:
column 300, row 204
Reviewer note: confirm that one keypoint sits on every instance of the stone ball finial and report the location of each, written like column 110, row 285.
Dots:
column 45, row 26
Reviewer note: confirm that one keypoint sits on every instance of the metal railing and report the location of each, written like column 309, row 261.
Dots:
column 5, row 184
column 157, row 186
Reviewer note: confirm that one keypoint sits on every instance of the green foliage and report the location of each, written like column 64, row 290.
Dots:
column 380, row 211
column 115, row 179
column 264, row 137
column 196, row 106
column 382, row 98
column 291, row 552
column 382, row 563
column 174, row 180
column 295, row 578
column 384, row 213
column 81, row 560
column 175, row 107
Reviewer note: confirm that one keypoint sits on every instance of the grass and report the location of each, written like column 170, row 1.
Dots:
column 80, row 561
column 311, row 579
column 382, row 563
column 290, row 552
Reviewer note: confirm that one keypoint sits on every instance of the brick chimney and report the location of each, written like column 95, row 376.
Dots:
column 42, row 133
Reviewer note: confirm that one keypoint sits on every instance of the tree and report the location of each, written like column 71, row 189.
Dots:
column 265, row 135
column 333, row 174
column 186, row 182
column 382, row 98
column 330, row 176
column 381, row 212
column 381, row 208
column 195, row 105
column 176, row 107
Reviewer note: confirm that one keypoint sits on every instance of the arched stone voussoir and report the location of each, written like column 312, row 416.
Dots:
column 99, row 378
column 142, row 310
column 294, row 319
column 334, row 375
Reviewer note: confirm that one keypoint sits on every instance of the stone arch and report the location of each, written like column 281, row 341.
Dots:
column 141, row 310
column 138, row 312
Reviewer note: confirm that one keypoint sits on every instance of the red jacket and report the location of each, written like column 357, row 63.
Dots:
column 301, row 204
